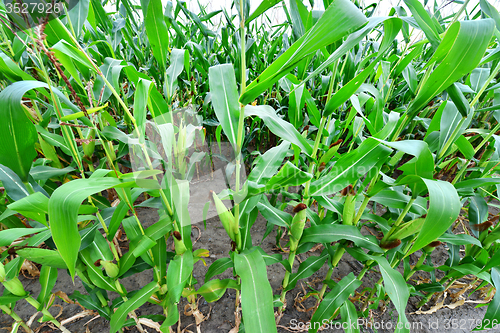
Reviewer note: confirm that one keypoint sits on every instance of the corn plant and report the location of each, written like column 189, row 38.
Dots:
column 110, row 107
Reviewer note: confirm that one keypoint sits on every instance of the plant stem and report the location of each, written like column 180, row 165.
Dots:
column 418, row 265
column 460, row 11
column 241, row 123
column 428, row 297
column 490, row 134
column 46, row 312
column 291, row 259
column 400, row 219
column 16, row 317
column 335, row 260
column 362, row 208
column 323, row 288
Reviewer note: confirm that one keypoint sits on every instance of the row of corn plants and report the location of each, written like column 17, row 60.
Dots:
column 107, row 107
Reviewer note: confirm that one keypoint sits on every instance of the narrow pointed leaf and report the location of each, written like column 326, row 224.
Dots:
column 334, row 300
column 350, row 167
column 63, row 213
column 157, row 32
column 278, row 126
column 459, row 53
column 340, row 18
column 256, row 292
column 139, row 298
column 335, row 232
column 225, row 99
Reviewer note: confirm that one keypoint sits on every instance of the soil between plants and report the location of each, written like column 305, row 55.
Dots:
column 221, row 313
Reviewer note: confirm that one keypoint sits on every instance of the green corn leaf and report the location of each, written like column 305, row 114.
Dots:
column 492, row 314
column 224, row 95
column 180, row 198
column 11, row 70
column 126, row 262
column 63, row 209
column 307, row 268
column 465, row 147
column 91, row 302
column 407, row 229
column 140, row 102
column 459, row 53
column 274, row 215
column 459, row 99
column 34, row 206
column 262, row 8
column 142, row 246
column 350, row 167
column 396, row 288
column 78, row 15
column 444, row 207
column 461, row 239
column 44, row 257
column 73, row 52
column 477, row 182
column 268, row 163
column 217, row 267
column 352, row 40
column 178, row 60
column 12, row 183
column 424, row 21
column 423, row 163
column 119, row 317
column 7, row 300
column 339, row 19
column 17, row 132
column 395, row 199
column 43, row 172
column 391, row 29
column 289, row 175
column 99, row 249
column 95, row 274
column 56, row 31
column 213, row 290
column 157, row 32
column 335, row 232
column 349, row 317
column 278, row 126
column 111, row 70
column 334, row 300
column 178, row 273
column 10, row 235
column 172, row 315
column 256, row 292
column 491, row 11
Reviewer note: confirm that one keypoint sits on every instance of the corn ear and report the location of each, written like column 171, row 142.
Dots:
column 111, row 268
column 297, row 227
column 348, row 213
column 180, row 248
column 2, row 272
column 407, row 229
column 226, row 217
column 88, row 148
column 15, row 287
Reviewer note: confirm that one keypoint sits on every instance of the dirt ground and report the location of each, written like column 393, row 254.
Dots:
column 221, row 313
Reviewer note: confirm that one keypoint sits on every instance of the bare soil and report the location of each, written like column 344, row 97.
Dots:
column 220, row 315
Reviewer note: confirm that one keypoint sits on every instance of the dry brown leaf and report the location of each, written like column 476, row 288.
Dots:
column 150, row 323
column 62, row 295
column 78, row 316
column 30, row 268
column 237, row 321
